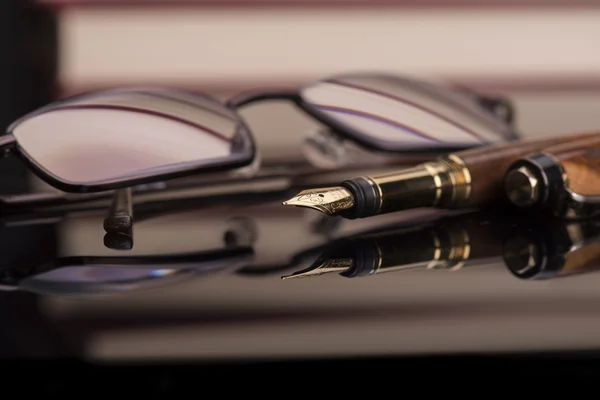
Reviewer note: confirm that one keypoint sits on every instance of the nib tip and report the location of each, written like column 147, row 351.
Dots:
column 327, row 200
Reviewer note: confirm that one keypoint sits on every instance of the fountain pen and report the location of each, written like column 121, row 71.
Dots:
column 472, row 178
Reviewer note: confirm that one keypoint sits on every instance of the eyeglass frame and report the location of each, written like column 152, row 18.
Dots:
column 9, row 146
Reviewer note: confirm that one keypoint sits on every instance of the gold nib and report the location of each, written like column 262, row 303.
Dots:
column 327, row 200
column 325, row 267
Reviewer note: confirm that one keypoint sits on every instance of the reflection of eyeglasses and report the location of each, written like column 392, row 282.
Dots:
column 81, row 276
column 118, row 138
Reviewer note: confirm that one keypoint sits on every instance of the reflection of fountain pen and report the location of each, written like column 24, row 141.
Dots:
column 451, row 243
column 467, row 179
column 531, row 248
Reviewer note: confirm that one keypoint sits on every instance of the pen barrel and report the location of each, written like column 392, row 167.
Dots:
column 487, row 165
column 406, row 189
column 580, row 163
column 432, row 184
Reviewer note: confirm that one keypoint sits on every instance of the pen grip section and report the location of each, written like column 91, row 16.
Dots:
column 580, row 161
column 487, row 165
column 410, row 188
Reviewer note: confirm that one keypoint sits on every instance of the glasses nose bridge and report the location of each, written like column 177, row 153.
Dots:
column 325, row 149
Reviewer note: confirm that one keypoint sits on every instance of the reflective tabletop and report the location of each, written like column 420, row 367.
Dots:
column 245, row 278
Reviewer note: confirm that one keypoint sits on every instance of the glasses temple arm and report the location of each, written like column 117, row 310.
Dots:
column 120, row 213
column 498, row 105
column 502, row 107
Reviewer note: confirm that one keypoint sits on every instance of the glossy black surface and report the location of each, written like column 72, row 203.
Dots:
column 204, row 282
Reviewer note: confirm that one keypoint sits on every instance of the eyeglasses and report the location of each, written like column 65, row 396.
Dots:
column 117, row 138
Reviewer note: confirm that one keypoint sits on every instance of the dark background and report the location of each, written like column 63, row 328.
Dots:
column 27, row 71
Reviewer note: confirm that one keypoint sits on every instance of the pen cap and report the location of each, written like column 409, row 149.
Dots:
column 563, row 179
column 487, row 166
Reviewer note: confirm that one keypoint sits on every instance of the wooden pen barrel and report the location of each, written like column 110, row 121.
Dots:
column 580, row 161
column 487, row 165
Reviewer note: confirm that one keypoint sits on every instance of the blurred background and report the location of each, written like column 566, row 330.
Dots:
column 542, row 54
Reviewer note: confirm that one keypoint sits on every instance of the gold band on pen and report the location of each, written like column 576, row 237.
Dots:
column 449, row 178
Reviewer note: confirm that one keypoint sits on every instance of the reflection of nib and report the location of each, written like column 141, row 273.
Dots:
column 327, row 200
column 323, row 267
